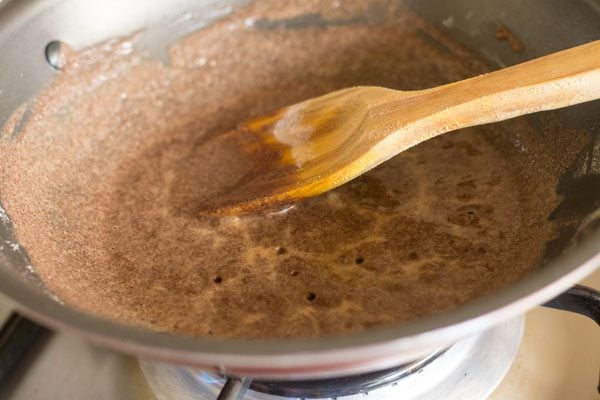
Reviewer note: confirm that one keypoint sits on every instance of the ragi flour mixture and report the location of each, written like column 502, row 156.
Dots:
column 104, row 182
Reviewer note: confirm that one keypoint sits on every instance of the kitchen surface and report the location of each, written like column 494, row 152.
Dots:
column 559, row 359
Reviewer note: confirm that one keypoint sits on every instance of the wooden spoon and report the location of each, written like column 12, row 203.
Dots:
column 319, row 144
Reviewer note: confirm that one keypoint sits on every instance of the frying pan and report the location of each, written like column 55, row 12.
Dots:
column 28, row 26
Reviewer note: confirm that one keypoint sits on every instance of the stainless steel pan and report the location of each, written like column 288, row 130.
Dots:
column 26, row 28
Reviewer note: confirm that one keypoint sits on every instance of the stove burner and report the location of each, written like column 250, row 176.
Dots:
column 343, row 386
column 470, row 369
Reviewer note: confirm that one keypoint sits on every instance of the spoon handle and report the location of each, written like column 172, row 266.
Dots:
column 557, row 80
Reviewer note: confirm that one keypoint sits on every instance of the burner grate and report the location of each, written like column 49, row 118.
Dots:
column 343, row 386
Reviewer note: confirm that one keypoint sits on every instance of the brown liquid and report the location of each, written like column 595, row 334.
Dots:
column 104, row 182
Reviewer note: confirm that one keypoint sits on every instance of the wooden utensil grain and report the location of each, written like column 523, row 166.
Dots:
column 314, row 146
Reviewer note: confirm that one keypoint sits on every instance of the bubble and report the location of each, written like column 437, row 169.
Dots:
column 201, row 61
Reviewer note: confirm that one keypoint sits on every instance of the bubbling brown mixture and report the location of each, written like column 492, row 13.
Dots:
column 104, row 181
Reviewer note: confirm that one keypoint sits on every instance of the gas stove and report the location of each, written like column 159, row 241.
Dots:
column 548, row 354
